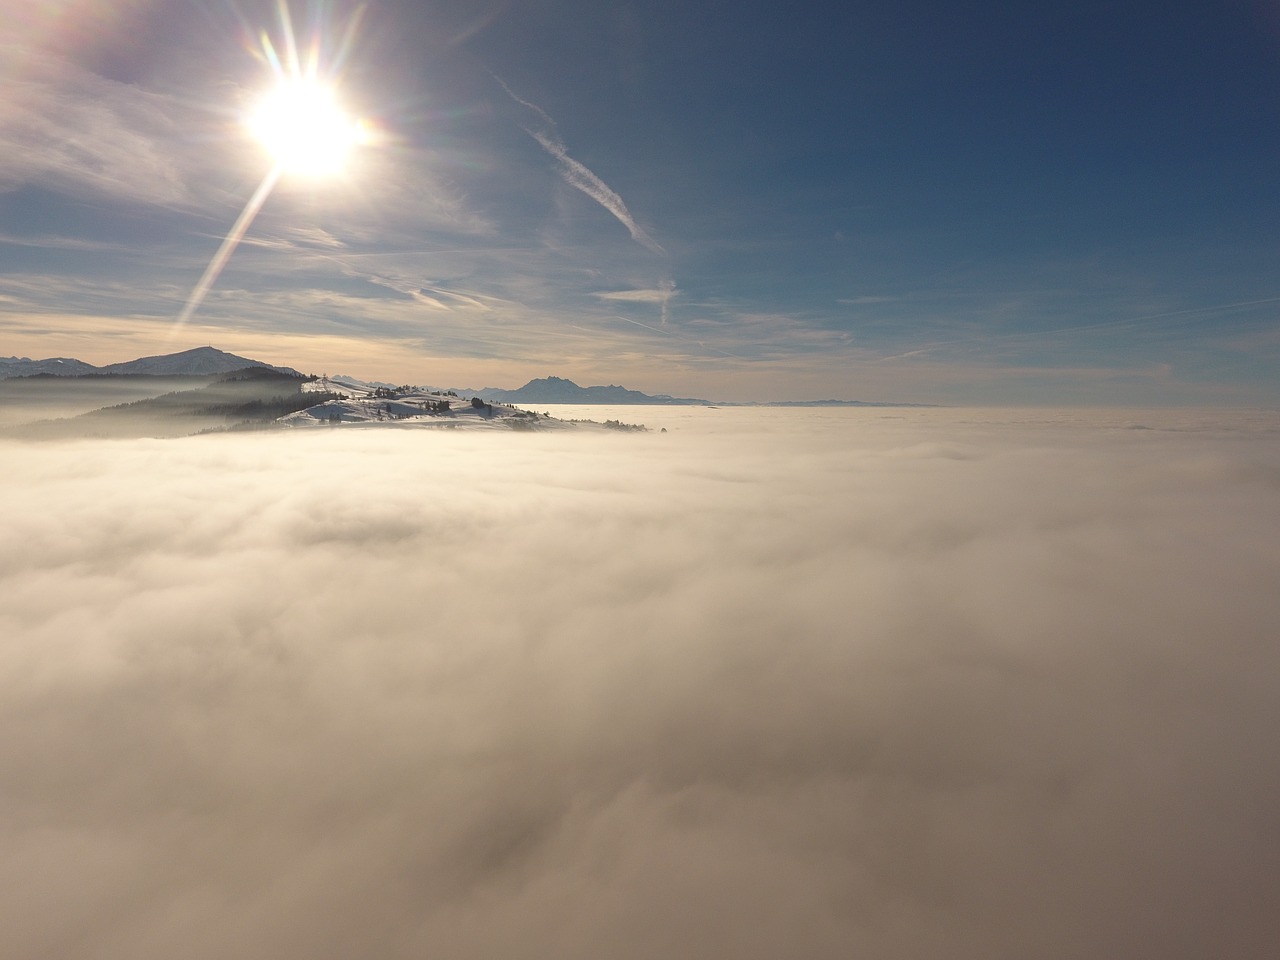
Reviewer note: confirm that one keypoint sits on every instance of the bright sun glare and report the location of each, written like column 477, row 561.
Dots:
column 300, row 123
column 304, row 128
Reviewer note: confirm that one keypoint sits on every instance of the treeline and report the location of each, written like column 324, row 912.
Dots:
column 255, row 392
column 245, row 397
column 270, row 408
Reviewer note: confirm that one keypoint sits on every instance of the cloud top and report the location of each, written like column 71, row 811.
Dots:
column 884, row 683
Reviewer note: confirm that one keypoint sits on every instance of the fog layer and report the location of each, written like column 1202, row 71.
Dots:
column 803, row 684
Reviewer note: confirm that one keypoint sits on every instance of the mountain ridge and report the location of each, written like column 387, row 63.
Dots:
column 198, row 361
column 560, row 390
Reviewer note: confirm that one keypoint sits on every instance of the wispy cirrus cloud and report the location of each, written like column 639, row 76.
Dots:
column 57, row 242
column 661, row 295
column 67, row 128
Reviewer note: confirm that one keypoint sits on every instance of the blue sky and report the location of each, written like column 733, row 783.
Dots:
column 945, row 202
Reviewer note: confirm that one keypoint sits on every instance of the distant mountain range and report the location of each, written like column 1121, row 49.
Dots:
column 559, row 390
column 200, row 361
column 208, row 361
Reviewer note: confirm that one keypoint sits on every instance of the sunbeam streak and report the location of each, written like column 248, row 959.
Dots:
column 227, row 247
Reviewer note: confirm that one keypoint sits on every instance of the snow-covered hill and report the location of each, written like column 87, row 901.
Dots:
column 417, row 406
column 366, row 404
column 256, row 398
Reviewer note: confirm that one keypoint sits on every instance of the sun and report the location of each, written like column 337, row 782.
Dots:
column 304, row 128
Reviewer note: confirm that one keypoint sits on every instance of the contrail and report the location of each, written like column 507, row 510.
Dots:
column 546, row 118
column 228, row 246
column 577, row 175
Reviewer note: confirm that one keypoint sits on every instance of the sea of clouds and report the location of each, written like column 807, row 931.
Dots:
column 818, row 683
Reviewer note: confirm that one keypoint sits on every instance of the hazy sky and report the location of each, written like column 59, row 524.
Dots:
column 944, row 201
column 890, row 684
